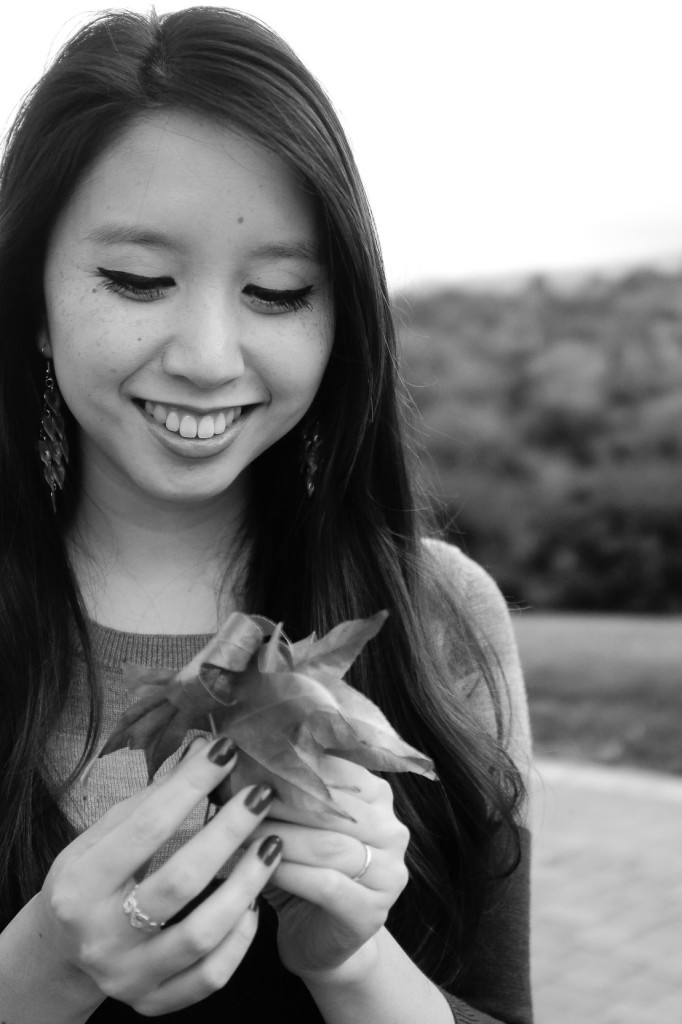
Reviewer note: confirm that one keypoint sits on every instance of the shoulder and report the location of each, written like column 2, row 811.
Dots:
column 481, row 602
column 473, row 587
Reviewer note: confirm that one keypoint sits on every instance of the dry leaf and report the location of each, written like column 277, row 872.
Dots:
column 283, row 704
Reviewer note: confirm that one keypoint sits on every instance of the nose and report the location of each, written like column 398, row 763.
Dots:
column 205, row 347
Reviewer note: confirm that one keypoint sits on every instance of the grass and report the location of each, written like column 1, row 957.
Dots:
column 604, row 688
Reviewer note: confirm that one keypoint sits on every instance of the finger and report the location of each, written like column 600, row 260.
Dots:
column 187, row 873
column 117, row 814
column 121, row 811
column 360, row 909
column 205, row 976
column 204, row 930
column 374, row 824
column 353, row 789
column 133, row 841
column 345, row 776
column 324, row 849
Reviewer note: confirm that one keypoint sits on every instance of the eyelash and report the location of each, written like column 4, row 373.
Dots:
column 289, row 301
column 146, row 289
column 133, row 285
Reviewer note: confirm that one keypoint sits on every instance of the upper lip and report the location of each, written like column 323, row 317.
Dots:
column 197, row 411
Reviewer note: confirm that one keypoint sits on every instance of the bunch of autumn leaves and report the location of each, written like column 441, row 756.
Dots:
column 284, row 705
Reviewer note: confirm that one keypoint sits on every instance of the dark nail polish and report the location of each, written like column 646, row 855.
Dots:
column 259, row 798
column 222, row 751
column 270, row 849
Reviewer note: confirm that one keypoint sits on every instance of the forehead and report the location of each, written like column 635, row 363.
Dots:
column 177, row 174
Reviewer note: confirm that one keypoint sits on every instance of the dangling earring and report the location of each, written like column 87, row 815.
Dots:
column 312, row 442
column 52, row 443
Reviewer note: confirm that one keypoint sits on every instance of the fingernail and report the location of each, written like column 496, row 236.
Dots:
column 222, row 751
column 259, row 798
column 253, row 905
column 270, row 849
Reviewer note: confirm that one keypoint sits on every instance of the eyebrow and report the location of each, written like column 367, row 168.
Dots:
column 113, row 234
column 288, row 251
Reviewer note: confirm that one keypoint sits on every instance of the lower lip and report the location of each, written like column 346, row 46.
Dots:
column 195, row 447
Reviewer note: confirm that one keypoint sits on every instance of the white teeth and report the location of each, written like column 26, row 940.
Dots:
column 206, row 427
column 173, row 422
column 188, row 426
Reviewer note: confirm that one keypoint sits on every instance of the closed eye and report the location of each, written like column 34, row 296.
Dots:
column 145, row 289
column 135, row 286
column 276, row 300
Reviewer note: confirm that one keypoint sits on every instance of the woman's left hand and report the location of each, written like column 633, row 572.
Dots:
column 325, row 913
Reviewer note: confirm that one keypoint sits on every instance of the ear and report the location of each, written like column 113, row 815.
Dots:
column 43, row 341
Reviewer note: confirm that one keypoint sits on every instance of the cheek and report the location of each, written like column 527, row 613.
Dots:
column 296, row 364
column 93, row 343
column 87, row 360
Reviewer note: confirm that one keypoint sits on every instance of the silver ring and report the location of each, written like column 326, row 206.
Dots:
column 368, row 861
column 136, row 917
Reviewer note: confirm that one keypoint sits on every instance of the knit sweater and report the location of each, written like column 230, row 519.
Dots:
column 496, row 988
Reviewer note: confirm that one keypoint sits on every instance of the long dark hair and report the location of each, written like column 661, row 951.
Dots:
column 352, row 548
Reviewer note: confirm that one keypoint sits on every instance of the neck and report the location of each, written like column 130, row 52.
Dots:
column 151, row 567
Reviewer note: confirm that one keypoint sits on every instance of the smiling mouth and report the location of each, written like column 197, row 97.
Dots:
column 190, row 424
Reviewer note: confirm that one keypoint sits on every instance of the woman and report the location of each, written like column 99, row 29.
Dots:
column 187, row 258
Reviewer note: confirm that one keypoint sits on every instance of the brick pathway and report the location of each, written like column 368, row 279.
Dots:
column 607, row 896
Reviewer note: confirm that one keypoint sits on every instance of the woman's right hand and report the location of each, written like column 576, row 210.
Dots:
column 80, row 908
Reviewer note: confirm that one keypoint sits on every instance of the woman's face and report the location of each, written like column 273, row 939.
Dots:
column 187, row 310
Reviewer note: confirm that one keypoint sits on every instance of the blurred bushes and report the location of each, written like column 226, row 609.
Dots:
column 551, row 425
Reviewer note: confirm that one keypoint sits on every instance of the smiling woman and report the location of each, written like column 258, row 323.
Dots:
column 188, row 325
column 200, row 414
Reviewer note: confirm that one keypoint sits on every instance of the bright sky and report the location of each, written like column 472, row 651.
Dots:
column 493, row 136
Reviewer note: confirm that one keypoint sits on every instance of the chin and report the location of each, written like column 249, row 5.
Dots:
column 193, row 490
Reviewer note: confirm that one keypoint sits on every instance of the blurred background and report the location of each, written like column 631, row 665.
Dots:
column 524, row 163
column 551, row 414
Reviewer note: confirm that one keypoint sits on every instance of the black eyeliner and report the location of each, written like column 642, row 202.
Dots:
column 277, row 294
column 136, row 280
column 284, row 300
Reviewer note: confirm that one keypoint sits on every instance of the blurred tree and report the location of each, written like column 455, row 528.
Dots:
column 552, row 426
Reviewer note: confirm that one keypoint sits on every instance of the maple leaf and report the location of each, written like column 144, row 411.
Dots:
column 284, row 705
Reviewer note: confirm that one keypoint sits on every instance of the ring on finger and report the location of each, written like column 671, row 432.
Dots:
column 365, row 866
column 137, row 917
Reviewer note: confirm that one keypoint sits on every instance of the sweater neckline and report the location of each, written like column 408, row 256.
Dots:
column 111, row 647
